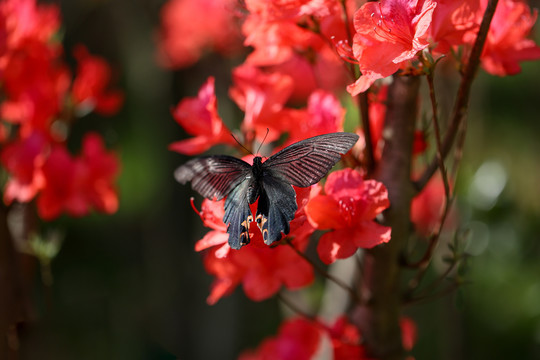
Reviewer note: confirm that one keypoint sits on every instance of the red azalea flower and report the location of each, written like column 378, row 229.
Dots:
column 23, row 159
column 427, row 207
column 388, row 33
column 271, row 28
column 261, row 95
column 102, row 170
column 261, row 269
column 452, row 20
column 349, row 208
column 90, row 90
column 324, row 115
column 282, row 38
column 63, row 176
column 507, row 43
column 298, row 339
column 409, row 333
column 75, row 185
column 24, row 20
column 3, row 132
column 199, row 117
column 184, row 36
column 346, row 340
column 35, row 84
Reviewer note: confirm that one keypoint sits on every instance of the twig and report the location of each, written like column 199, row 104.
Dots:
column 369, row 156
column 426, row 258
column 452, row 287
column 363, row 101
column 462, row 100
column 295, row 308
column 325, row 274
column 437, row 132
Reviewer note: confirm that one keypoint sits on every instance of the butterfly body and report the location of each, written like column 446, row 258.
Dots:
column 255, row 180
column 301, row 164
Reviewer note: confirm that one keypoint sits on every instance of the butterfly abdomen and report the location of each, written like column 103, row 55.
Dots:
column 254, row 190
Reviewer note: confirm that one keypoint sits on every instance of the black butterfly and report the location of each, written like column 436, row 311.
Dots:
column 301, row 164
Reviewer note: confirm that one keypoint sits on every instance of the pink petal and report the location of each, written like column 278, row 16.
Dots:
column 371, row 234
column 259, row 285
column 192, row 146
column 337, row 244
column 212, row 238
column 374, row 200
column 345, row 180
column 220, row 287
column 323, row 213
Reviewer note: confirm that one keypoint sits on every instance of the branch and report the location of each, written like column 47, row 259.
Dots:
column 12, row 298
column 364, row 115
column 326, row 274
column 363, row 100
column 378, row 320
column 437, row 131
column 294, row 307
column 462, row 100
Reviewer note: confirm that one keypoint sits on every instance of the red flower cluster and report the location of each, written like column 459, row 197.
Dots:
column 299, row 338
column 184, row 35
column 261, row 269
column 507, row 43
column 391, row 33
column 303, row 55
column 40, row 100
column 263, row 96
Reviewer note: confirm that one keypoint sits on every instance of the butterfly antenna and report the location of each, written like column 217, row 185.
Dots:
column 239, row 143
column 262, row 142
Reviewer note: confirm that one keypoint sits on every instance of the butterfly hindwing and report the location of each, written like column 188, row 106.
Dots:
column 276, row 209
column 306, row 162
column 238, row 215
column 213, row 176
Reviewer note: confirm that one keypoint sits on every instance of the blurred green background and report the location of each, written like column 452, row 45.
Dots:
column 130, row 286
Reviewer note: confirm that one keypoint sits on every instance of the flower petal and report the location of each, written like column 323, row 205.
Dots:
column 371, row 234
column 212, row 238
column 323, row 213
column 338, row 244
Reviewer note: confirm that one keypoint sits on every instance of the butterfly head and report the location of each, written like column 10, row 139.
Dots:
column 257, row 161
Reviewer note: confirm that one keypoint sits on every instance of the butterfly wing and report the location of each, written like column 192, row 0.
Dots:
column 238, row 215
column 306, row 162
column 276, row 208
column 213, row 176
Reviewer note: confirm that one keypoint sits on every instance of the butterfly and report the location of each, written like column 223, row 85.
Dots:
column 301, row 164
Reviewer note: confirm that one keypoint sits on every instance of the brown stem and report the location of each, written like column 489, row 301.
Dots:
column 11, row 290
column 462, row 100
column 369, row 156
column 378, row 320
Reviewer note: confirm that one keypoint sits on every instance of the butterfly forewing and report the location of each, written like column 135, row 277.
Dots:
column 213, row 176
column 306, row 162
